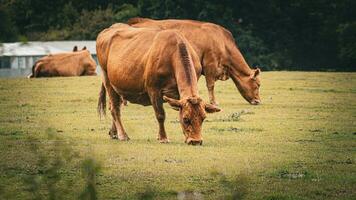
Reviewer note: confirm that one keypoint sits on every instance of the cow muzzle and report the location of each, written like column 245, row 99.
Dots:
column 255, row 102
column 191, row 141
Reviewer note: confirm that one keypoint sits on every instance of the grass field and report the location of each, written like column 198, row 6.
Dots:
column 299, row 144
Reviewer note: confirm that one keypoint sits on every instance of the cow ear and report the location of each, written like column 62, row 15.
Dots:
column 75, row 48
column 257, row 72
column 84, row 48
column 209, row 108
column 172, row 102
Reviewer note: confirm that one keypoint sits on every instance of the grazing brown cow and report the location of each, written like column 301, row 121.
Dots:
column 149, row 66
column 76, row 63
column 218, row 53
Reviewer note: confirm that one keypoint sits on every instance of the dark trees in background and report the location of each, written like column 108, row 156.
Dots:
column 273, row 34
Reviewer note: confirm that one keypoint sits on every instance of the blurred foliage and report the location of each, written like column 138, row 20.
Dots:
column 236, row 187
column 90, row 168
column 47, row 179
column 273, row 34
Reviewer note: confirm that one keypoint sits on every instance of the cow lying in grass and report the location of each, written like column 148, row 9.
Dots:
column 218, row 53
column 148, row 66
column 76, row 63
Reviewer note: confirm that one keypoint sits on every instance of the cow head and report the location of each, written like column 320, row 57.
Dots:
column 249, row 87
column 191, row 116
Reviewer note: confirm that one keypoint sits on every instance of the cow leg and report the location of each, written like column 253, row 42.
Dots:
column 210, row 83
column 210, row 65
column 157, row 103
column 115, row 105
column 113, row 131
column 116, row 115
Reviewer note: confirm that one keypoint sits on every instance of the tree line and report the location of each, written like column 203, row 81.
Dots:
column 273, row 34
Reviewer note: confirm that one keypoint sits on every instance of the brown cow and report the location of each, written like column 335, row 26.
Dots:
column 149, row 66
column 218, row 53
column 76, row 63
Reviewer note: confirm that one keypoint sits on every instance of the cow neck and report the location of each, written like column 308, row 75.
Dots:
column 239, row 69
column 185, row 74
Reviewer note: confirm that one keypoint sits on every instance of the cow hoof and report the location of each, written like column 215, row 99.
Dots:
column 124, row 138
column 113, row 134
column 164, row 141
column 114, row 137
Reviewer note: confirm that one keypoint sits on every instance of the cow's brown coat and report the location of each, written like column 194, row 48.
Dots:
column 76, row 63
column 147, row 66
column 219, row 55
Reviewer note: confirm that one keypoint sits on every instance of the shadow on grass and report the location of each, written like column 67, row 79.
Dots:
column 232, row 188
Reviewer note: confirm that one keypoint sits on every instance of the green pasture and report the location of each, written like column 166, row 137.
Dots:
column 299, row 144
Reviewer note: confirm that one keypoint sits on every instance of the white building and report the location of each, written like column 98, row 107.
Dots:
column 23, row 55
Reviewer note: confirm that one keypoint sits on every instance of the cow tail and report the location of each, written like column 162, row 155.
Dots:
column 102, row 101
